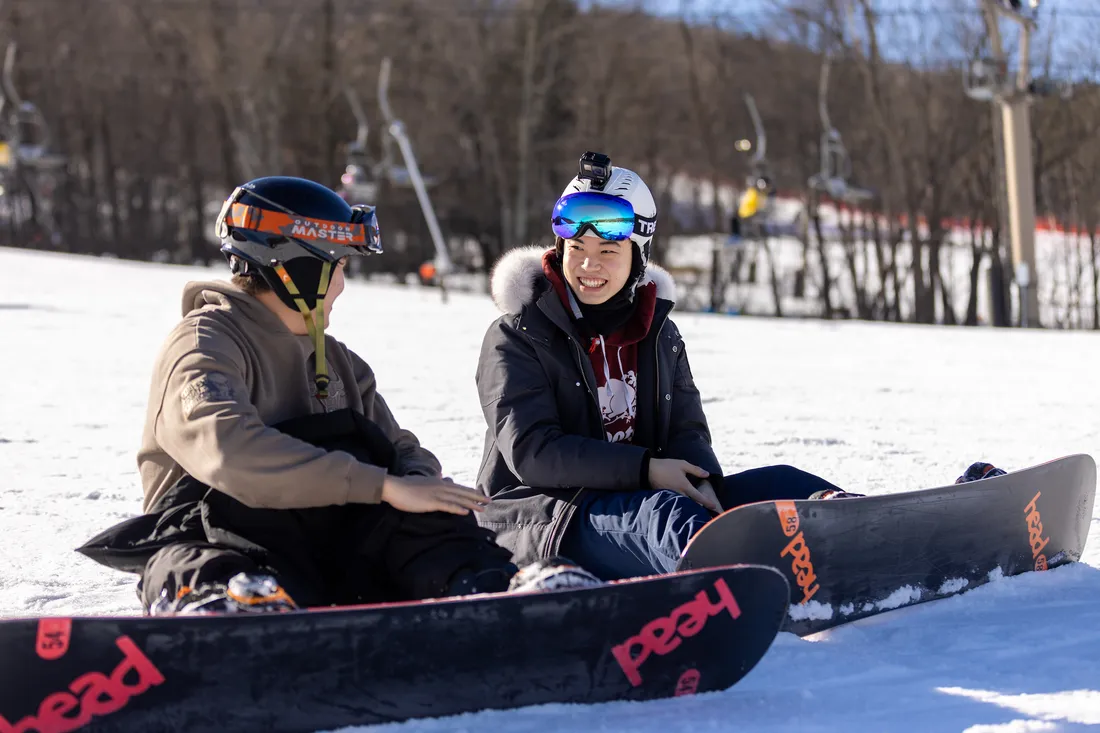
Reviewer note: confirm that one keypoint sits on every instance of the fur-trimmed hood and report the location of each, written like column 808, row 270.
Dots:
column 515, row 277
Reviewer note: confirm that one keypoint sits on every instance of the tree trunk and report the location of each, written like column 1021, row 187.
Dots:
column 110, row 180
column 329, row 92
column 977, row 252
column 773, row 268
column 523, row 127
column 1094, row 261
column 827, row 310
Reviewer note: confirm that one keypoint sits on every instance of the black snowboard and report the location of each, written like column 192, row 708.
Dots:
column 850, row 558
column 310, row 670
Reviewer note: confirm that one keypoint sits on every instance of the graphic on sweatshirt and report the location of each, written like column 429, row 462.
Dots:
column 204, row 389
column 619, row 405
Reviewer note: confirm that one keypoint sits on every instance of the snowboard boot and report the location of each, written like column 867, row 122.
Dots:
column 472, row 581
column 827, row 494
column 978, row 471
column 552, row 573
column 245, row 593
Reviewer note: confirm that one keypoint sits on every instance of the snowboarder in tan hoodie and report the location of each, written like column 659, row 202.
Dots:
column 275, row 475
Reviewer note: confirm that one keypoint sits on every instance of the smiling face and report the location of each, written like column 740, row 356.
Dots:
column 596, row 269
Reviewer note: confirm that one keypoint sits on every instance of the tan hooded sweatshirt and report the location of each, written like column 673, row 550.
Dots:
column 229, row 370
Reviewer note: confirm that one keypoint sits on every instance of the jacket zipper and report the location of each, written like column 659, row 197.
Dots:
column 584, row 376
column 657, row 378
column 557, row 533
column 555, row 536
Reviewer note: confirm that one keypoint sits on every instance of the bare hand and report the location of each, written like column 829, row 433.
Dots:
column 706, row 488
column 672, row 474
column 422, row 494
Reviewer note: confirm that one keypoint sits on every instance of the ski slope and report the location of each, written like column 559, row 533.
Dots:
column 876, row 408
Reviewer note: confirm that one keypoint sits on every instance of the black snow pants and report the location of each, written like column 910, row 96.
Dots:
column 333, row 555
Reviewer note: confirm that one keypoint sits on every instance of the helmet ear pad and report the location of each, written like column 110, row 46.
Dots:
column 306, row 274
column 637, row 267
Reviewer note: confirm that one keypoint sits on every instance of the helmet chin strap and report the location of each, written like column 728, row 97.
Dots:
column 315, row 321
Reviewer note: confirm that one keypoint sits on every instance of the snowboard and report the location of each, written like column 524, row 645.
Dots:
column 309, row 670
column 847, row 559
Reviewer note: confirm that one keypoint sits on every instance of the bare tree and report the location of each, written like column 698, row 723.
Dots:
column 157, row 108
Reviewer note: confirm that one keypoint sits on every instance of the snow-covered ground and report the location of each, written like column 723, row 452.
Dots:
column 875, row 408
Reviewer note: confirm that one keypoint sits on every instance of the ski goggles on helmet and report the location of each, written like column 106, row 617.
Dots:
column 279, row 234
column 608, row 217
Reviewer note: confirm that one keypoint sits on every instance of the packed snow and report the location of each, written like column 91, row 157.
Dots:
column 875, row 408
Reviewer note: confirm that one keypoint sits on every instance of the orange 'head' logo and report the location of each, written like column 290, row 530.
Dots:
column 1035, row 532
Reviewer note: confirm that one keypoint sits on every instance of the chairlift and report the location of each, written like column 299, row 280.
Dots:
column 26, row 135
column 835, row 172
column 357, row 185
column 359, row 182
column 760, row 176
column 1049, row 87
column 985, row 78
column 25, row 149
column 754, row 205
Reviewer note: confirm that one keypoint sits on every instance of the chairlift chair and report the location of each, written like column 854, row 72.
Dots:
column 359, row 181
column 25, row 130
column 985, row 78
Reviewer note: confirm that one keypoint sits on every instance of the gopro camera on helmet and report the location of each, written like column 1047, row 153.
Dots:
column 595, row 167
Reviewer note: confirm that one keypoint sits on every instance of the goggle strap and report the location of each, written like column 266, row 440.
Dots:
column 253, row 218
column 362, row 231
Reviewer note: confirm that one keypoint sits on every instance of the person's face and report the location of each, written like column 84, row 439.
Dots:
column 595, row 268
column 335, row 286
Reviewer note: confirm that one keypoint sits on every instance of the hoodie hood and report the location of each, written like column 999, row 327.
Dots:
column 515, row 279
column 223, row 295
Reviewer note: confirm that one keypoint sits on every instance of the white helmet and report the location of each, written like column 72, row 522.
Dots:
column 625, row 184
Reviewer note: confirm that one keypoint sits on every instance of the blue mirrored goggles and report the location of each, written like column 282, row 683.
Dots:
column 608, row 217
